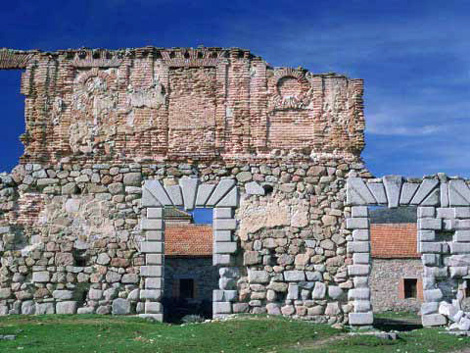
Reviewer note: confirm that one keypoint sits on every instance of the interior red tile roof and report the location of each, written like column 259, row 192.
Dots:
column 395, row 240
column 188, row 240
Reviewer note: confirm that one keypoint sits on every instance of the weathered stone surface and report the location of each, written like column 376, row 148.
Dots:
column 319, row 291
column 40, row 277
column 222, row 308
column 225, row 247
column 361, row 319
column 132, row 179
column 28, row 307
column 174, row 192
column 121, row 307
column 433, row 199
column 67, row 307
column 357, row 223
column 221, row 190
column 258, row 277
column 203, row 193
column 408, row 190
column 335, row 292
column 253, row 188
column 273, row 309
column 332, row 309
column 116, row 188
column 459, row 193
column 429, row 308
column 154, row 190
column 62, row 294
column 5, row 293
column 424, row 190
column 433, row 320
column 294, row 276
column 229, row 200
column 44, row 308
column 251, row 258
column 85, row 311
column 103, row 259
column 378, row 191
column 358, row 193
column 433, row 295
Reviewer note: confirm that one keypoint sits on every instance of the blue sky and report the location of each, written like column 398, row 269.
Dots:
column 413, row 56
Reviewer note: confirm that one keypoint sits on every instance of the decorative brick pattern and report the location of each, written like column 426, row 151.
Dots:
column 152, row 103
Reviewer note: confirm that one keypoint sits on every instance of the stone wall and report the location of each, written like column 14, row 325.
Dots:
column 72, row 234
column 385, row 284
column 78, row 232
column 69, row 239
column 443, row 242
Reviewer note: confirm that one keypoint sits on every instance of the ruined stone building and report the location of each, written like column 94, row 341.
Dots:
column 115, row 137
column 396, row 277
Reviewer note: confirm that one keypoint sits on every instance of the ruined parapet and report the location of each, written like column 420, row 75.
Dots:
column 174, row 104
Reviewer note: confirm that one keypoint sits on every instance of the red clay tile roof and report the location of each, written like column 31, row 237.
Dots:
column 394, row 240
column 188, row 240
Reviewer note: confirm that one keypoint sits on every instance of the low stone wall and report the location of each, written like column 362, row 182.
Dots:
column 385, row 286
column 68, row 239
column 71, row 236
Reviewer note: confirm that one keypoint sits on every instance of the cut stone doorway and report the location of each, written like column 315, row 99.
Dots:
column 190, row 194
column 443, row 207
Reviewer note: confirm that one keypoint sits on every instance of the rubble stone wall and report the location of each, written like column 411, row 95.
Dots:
column 385, row 284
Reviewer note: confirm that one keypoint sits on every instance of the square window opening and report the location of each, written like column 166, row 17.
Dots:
column 411, row 288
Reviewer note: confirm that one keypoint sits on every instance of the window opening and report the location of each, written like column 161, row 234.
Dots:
column 411, row 288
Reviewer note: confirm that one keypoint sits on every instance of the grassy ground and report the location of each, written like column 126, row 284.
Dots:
column 73, row 334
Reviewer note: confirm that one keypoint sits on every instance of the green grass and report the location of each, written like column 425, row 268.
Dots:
column 73, row 334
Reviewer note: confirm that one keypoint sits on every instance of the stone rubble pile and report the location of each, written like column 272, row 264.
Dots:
column 458, row 320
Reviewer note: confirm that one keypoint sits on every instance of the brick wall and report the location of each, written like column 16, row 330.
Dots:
column 205, row 104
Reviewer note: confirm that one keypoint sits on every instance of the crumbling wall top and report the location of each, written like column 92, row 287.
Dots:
column 181, row 104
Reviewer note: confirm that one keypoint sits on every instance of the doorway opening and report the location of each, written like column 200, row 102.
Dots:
column 189, row 275
column 396, row 274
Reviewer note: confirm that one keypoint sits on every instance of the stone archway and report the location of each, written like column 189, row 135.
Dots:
column 443, row 205
column 189, row 193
